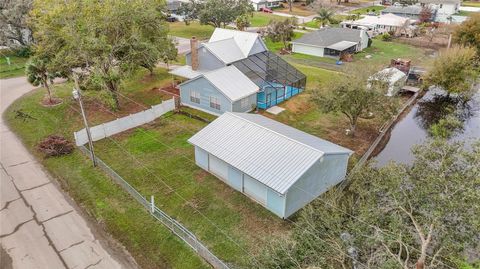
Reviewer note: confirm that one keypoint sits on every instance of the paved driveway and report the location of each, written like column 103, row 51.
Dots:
column 39, row 226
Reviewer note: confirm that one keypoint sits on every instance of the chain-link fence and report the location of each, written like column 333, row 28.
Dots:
column 169, row 222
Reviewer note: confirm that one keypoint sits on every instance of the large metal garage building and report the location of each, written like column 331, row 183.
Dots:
column 278, row 166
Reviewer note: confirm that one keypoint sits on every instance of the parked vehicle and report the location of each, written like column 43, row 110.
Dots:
column 171, row 19
column 266, row 10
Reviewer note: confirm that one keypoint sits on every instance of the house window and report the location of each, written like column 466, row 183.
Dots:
column 244, row 102
column 195, row 97
column 214, row 103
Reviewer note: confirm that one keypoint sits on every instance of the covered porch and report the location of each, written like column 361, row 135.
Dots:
column 340, row 48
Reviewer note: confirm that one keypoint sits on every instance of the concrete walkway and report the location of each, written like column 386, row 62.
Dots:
column 39, row 226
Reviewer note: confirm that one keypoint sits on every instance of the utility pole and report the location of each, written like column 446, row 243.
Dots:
column 78, row 96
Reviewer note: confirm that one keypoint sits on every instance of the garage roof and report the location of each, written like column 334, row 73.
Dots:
column 342, row 45
column 273, row 153
column 329, row 36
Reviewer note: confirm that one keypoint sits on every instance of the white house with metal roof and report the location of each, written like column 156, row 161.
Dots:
column 378, row 24
column 213, row 92
column 276, row 165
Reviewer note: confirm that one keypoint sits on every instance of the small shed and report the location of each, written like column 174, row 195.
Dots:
column 392, row 77
column 275, row 165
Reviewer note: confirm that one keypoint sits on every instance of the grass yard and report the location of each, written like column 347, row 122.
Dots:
column 297, row 9
column 277, row 46
column 193, row 29
column 160, row 154
column 152, row 245
column 16, row 67
column 365, row 10
column 316, row 24
column 302, row 114
column 464, row 13
column 260, row 19
column 382, row 52
column 470, row 4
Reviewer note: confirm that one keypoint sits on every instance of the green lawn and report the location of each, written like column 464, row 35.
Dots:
column 316, row 24
column 161, row 154
column 16, row 67
column 151, row 244
column 277, row 46
column 470, row 4
column 304, row 115
column 464, row 13
column 382, row 52
column 260, row 19
column 193, row 29
column 365, row 10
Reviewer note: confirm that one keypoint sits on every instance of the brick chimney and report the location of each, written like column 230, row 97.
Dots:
column 194, row 52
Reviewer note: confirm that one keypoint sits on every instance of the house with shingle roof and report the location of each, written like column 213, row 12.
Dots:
column 331, row 42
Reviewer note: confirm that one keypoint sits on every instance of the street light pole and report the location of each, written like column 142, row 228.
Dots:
column 78, row 96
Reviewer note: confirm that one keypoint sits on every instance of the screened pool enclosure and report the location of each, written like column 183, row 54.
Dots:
column 277, row 79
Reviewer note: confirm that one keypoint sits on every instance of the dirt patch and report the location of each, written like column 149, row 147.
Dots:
column 200, row 176
column 298, row 105
column 54, row 101
column 170, row 89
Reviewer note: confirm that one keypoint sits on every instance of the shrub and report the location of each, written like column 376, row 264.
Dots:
column 446, row 127
column 55, row 145
column 24, row 52
column 386, row 37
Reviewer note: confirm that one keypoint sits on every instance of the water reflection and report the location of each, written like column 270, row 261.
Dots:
column 413, row 128
column 437, row 105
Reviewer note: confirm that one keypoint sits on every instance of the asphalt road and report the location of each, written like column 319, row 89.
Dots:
column 40, row 226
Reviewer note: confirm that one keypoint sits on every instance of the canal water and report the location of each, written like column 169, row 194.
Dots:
column 412, row 129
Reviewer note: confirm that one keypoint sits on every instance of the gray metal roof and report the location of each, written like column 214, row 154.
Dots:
column 342, row 45
column 226, row 50
column 413, row 10
column 230, row 81
column 329, row 36
column 273, row 153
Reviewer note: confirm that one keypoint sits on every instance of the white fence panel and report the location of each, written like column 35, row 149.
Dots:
column 81, row 137
column 119, row 125
column 97, row 132
column 113, row 127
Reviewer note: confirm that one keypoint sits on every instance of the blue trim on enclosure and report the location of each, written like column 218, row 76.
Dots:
column 275, row 94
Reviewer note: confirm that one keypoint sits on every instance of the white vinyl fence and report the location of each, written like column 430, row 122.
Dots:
column 119, row 125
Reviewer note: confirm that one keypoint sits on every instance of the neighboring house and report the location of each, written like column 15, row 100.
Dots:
column 221, row 90
column 412, row 12
column 378, row 24
column 442, row 8
column 277, row 166
column 392, row 78
column 259, row 4
column 276, row 80
column 331, row 42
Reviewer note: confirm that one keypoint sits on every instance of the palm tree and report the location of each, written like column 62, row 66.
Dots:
column 325, row 16
column 37, row 74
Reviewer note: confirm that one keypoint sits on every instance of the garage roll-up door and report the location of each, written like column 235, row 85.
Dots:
column 254, row 189
column 218, row 167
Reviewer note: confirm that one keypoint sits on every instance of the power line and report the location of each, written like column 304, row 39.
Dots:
column 384, row 231
column 173, row 190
